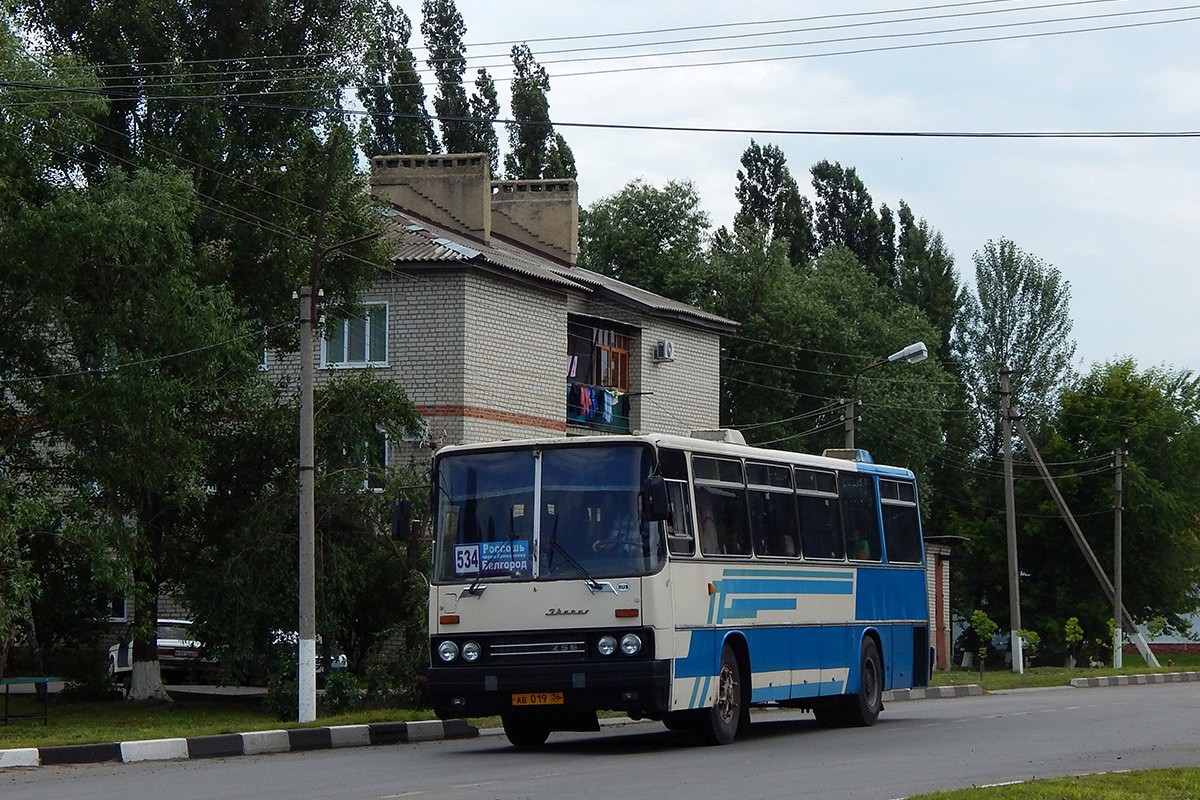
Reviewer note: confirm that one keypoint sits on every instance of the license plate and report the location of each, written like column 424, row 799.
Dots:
column 537, row 698
column 187, row 653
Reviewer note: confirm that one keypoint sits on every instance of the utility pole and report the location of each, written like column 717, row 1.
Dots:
column 1118, row 623
column 1088, row 554
column 849, row 414
column 1016, row 646
column 306, row 681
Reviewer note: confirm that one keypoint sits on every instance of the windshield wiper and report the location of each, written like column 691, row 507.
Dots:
column 591, row 582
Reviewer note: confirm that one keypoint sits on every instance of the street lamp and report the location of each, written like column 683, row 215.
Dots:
column 914, row 353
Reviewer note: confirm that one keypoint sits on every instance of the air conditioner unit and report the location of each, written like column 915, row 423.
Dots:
column 664, row 351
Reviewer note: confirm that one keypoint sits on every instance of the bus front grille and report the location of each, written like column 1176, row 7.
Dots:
column 546, row 650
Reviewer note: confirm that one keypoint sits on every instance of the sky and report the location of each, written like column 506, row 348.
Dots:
column 1120, row 218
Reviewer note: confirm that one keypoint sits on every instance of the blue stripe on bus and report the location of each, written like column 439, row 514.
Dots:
column 782, row 586
column 748, row 607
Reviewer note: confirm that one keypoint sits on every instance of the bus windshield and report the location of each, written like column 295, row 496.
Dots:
column 588, row 525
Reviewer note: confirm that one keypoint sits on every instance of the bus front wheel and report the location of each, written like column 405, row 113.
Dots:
column 525, row 732
column 729, row 713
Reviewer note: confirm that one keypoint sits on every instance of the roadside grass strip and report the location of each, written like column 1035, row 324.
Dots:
column 1180, row 783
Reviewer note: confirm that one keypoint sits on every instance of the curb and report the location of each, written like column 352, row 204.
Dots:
column 241, row 744
column 934, row 692
column 1135, row 680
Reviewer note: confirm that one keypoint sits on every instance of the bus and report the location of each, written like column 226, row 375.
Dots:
column 671, row 578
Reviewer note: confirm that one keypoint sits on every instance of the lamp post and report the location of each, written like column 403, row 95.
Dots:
column 914, row 353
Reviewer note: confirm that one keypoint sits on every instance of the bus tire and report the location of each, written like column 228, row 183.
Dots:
column 729, row 714
column 862, row 708
column 525, row 732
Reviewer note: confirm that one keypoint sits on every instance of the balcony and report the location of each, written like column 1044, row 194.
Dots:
column 598, row 408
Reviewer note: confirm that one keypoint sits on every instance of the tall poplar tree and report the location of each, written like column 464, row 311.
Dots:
column 391, row 90
column 845, row 215
column 770, row 197
column 485, row 108
column 534, row 149
column 443, row 29
column 1019, row 317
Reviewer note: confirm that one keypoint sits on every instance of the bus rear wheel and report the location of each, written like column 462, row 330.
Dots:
column 729, row 713
column 525, row 732
column 862, row 709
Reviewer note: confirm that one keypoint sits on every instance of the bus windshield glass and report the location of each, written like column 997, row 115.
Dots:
column 588, row 526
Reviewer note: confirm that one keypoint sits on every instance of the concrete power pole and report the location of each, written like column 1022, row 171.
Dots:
column 1118, row 603
column 1016, row 646
column 306, row 675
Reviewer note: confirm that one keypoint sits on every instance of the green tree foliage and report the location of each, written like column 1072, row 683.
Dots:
column 160, row 263
column 804, row 333
column 846, row 216
column 1155, row 416
column 1018, row 317
column 365, row 589
column 391, row 90
column 534, row 149
column 769, row 196
column 649, row 237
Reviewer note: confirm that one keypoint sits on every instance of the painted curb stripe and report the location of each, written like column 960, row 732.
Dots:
column 224, row 744
column 310, row 739
column 80, row 753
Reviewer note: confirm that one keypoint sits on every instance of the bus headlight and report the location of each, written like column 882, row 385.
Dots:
column 447, row 651
column 607, row 645
column 631, row 644
column 470, row 651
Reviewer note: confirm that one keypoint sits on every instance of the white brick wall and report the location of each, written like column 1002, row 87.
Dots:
column 483, row 356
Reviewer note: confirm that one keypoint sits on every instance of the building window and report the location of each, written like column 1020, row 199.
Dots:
column 612, row 359
column 118, row 609
column 359, row 341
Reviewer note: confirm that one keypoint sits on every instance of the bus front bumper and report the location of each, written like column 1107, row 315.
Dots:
column 638, row 687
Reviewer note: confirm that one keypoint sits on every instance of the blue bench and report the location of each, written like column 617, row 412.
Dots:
column 41, row 687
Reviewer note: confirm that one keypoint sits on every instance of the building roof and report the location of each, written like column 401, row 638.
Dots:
column 420, row 242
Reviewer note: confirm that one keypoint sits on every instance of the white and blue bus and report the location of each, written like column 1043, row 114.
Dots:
column 671, row 578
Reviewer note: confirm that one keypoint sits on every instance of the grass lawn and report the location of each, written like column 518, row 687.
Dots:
column 85, row 722
column 1160, row 784
column 998, row 678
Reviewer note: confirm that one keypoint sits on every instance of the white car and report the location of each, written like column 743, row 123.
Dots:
column 177, row 650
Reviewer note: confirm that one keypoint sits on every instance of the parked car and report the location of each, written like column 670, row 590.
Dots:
column 178, row 651
column 289, row 642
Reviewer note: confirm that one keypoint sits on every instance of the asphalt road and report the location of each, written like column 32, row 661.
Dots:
column 917, row 746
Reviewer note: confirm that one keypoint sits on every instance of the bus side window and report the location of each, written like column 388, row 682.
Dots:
column 860, row 516
column 820, row 515
column 680, row 540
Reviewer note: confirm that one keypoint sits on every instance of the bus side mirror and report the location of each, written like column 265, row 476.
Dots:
column 401, row 519
column 656, row 506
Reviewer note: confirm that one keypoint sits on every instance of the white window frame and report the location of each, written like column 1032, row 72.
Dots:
column 341, row 363
column 387, row 447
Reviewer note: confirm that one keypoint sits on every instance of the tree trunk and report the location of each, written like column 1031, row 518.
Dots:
column 146, row 681
column 35, row 649
column 4, row 645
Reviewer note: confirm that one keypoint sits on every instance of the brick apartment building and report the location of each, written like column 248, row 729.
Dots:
column 494, row 333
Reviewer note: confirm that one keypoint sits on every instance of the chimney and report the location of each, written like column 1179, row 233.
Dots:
column 542, row 215
column 450, row 191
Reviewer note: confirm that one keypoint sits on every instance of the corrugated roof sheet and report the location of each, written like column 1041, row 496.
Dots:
column 421, row 242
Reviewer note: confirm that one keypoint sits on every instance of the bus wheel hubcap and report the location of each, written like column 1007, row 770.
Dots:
column 726, row 693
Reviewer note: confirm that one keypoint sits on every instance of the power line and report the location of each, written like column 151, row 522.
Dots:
column 220, row 100
column 240, row 72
